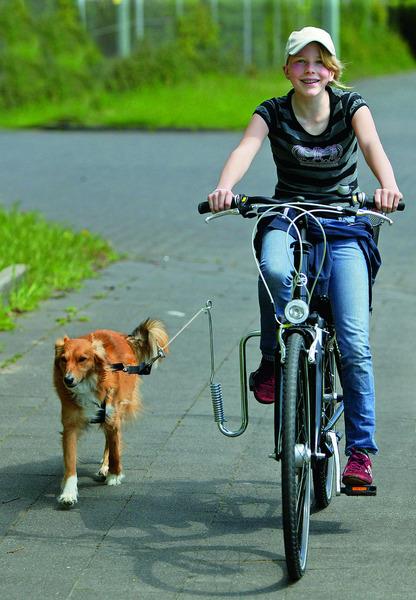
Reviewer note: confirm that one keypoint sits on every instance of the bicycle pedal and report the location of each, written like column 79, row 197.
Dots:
column 359, row 490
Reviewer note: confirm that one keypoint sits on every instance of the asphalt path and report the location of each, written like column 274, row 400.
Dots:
column 199, row 515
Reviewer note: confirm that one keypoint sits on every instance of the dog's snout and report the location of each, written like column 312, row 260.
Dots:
column 69, row 380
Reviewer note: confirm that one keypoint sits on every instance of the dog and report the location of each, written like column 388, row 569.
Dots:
column 87, row 385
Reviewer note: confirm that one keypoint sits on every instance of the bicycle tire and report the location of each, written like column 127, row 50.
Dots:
column 296, row 462
column 324, row 469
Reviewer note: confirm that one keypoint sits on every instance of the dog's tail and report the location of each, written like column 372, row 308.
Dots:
column 148, row 338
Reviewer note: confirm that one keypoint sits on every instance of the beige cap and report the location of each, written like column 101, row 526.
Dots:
column 299, row 39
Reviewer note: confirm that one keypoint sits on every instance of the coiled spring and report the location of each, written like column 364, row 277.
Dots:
column 217, row 402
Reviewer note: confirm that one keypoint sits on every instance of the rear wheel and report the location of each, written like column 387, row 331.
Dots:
column 296, row 456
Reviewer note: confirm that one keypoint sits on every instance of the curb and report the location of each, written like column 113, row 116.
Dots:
column 9, row 277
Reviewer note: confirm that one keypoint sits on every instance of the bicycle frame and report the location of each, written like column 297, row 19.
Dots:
column 315, row 332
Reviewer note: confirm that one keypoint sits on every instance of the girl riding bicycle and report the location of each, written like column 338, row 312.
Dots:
column 314, row 133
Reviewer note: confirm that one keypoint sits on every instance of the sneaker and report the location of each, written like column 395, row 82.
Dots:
column 262, row 382
column 358, row 469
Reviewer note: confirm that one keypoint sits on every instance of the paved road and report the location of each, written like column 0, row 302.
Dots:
column 198, row 515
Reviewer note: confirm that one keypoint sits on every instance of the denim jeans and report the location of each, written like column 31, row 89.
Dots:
column 348, row 293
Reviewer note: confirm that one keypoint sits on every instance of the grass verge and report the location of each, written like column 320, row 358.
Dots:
column 208, row 102
column 58, row 259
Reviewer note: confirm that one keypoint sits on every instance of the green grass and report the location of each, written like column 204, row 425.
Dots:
column 58, row 259
column 210, row 101
column 207, row 102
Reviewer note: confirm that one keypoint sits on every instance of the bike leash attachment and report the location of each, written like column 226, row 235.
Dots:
column 216, row 388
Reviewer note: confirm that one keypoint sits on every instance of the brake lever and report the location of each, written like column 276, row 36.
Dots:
column 373, row 213
column 223, row 213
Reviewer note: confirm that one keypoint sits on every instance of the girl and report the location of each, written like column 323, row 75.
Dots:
column 314, row 133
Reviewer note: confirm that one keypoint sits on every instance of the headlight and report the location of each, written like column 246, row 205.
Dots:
column 296, row 311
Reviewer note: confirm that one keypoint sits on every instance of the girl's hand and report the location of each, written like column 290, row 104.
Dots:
column 220, row 199
column 386, row 200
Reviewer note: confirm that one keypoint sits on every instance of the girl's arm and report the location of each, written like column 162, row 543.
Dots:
column 388, row 195
column 238, row 163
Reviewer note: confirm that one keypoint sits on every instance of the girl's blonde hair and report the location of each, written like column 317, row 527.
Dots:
column 332, row 63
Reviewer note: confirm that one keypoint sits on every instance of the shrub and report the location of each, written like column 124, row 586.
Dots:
column 46, row 56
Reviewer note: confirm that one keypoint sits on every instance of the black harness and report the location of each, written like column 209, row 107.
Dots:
column 144, row 368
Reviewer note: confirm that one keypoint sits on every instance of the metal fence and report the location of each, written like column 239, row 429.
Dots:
column 254, row 29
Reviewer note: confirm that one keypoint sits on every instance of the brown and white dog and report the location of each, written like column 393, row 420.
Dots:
column 85, row 382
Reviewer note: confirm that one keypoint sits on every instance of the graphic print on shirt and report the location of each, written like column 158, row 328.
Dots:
column 318, row 157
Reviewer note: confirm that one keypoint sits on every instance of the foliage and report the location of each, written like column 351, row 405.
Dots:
column 48, row 60
column 21, row 78
column 195, row 49
column 43, row 56
column 57, row 258
column 368, row 43
column 72, row 62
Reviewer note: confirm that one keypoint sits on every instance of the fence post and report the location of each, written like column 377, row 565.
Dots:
column 139, row 19
column 277, row 33
column 82, row 8
column 331, row 20
column 214, row 11
column 247, row 33
column 123, row 27
column 179, row 8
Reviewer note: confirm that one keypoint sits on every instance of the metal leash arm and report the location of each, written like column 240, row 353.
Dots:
column 216, row 388
column 216, row 391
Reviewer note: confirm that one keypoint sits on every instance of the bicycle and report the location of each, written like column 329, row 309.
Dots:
column 308, row 394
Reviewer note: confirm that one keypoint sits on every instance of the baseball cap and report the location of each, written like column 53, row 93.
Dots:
column 299, row 39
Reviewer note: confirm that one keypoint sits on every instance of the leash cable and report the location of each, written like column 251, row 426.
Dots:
column 207, row 307
column 145, row 368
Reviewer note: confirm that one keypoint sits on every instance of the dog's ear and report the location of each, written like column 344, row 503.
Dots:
column 99, row 350
column 59, row 346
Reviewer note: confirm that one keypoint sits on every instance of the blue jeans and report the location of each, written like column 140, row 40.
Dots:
column 348, row 293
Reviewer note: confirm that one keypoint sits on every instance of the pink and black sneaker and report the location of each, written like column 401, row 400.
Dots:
column 262, row 382
column 358, row 469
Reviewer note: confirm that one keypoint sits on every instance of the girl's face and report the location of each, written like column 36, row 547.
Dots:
column 306, row 71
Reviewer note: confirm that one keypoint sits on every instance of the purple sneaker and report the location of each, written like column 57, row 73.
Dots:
column 358, row 469
column 262, row 382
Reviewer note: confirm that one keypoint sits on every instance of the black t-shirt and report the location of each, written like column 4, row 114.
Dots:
column 313, row 166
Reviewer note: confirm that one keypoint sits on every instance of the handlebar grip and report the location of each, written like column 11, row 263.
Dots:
column 203, row 208
column 369, row 203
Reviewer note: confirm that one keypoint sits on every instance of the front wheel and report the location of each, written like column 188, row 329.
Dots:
column 296, row 456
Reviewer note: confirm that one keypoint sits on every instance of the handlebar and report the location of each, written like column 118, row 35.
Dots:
column 244, row 203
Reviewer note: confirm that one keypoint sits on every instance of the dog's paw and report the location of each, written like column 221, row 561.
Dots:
column 67, row 500
column 69, row 494
column 101, row 474
column 114, row 479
